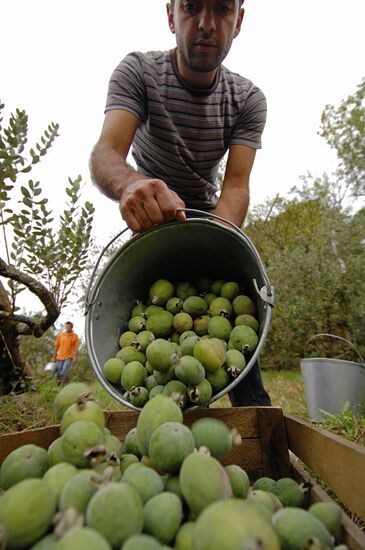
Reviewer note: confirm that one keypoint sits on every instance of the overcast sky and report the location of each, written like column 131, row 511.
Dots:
column 57, row 57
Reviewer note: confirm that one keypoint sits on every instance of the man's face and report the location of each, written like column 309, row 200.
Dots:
column 68, row 327
column 204, row 31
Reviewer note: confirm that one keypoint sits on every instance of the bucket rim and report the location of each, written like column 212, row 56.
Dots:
column 307, row 360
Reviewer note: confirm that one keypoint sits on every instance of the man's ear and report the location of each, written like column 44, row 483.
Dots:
column 239, row 22
column 170, row 17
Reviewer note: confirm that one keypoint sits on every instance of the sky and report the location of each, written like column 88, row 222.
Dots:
column 57, row 57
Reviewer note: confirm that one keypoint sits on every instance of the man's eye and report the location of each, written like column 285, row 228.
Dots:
column 190, row 6
column 224, row 8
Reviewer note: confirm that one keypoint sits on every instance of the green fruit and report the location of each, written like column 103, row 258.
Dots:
column 134, row 374
column 182, row 322
column 83, row 410
column 26, row 512
column 234, row 524
column 54, row 452
column 49, row 542
column 174, row 305
column 78, row 491
column 112, row 369
column 127, row 338
column 243, row 304
column 189, row 370
column 296, row 527
column 264, row 484
column 156, row 391
column 169, row 445
column 187, row 345
column 209, row 297
column 161, row 291
column 159, row 354
column 83, row 538
column 79, row 438
column 138, row 396
column 203, row 480
column 130, row 443
column 200, row 325
column 184, row 537
column 67, row 396
column 146, row 481
column 126, row 460
column 131, row 353
column 213, row 434
column 152, row 310
column 113, row 474
column 174, row 337
column 230, row 290
column 235, row 362
column 185, row 289
column 216, row 286
column 156, row 411
column 244, row 338
column 163, row 377
column 201, row 393
column 178, row 391
column 116, row 512
column 138, row 309
column 248, row 320
column 289, row 492
column 211, row 353
column 142, row 542
column 162, row 516
column 58, row 475
column 220, row 306
column 195, row 306
column 240, row 482
column 150, row 382
column 144, row 339
column 185, row 335
column 328, row 513
column 113, row 445
column 27, row 461
column 172, row 484
column 266, row 499
column 137, row 324
column 219, row 327
column 218, row 380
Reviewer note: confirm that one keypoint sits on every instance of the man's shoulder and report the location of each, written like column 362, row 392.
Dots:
column 151, row 57
column 238, row 84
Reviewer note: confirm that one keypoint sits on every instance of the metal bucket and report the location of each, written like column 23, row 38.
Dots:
column 200, row 246
column 330, row 383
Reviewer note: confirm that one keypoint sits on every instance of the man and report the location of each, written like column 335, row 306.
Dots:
column 183, row 111
column 65, row 351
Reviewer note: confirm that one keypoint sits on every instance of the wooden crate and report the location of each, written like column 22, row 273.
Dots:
column 273, row 445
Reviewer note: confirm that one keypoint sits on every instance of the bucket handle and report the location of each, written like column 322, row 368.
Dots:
column 266, row 293
column 339, row 338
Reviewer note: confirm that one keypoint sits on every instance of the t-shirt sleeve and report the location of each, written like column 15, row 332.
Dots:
column 126, row 88
column 251, row 123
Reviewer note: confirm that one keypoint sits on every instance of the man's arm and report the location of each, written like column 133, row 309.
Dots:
column 143, row 202
column 55, row 348
column 75, row 348
column 235, row 195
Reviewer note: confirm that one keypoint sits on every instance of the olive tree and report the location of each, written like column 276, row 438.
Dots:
column 37, row 254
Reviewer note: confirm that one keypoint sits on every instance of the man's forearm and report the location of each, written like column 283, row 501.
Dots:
column 233, row 205
column 110, row 172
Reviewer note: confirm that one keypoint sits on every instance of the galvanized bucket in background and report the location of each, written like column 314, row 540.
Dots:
column 200, row 246
column 330, row 383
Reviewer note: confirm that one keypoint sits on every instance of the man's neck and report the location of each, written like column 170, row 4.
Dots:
column 195, row 79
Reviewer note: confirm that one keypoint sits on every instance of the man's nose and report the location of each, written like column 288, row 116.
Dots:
column 206, row 20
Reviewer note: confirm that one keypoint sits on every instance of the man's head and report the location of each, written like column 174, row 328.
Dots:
column 69, row 326
column 204, row 32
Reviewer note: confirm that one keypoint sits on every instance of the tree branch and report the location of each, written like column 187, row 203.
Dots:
column 29, row 325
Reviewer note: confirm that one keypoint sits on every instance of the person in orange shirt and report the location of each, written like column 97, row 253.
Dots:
column 65, row 351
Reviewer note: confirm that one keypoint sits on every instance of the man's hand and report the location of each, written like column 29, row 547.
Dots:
column 147, row 202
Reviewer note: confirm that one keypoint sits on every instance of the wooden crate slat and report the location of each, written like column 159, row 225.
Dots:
column 274, row 445
column 42, row 437
column 336, row 461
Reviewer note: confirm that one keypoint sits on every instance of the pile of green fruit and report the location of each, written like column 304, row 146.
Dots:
column 163, row 486
column 191, row 339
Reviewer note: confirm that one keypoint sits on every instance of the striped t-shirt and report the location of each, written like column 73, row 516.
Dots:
column 183, row 132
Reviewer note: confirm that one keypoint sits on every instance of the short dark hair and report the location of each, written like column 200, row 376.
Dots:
column 172, row 2
column 69, row 323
